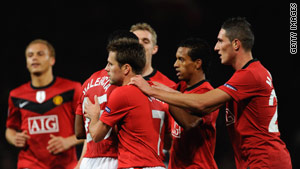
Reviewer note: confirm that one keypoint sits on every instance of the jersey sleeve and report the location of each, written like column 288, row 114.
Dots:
column 241, row 85
column 117, row 107
column 14, row 115
column 77, row 96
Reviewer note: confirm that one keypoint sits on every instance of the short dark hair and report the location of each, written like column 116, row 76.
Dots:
column 239, row 28
column 129, row 51
column 199, row 49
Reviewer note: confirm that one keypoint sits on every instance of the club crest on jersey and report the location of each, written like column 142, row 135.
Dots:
column 58, row 100
column 40, row 96
column 43, row 124
column 230, row 118
column 176, row 130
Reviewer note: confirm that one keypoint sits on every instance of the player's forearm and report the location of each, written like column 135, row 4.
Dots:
column 96, row 130
column 197, row 103
column 73, row 141
column 10, row 135
column 184, row 118
column 187, row 101
column 79, row 127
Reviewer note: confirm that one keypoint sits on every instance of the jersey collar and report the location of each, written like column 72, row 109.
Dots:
column 150, row 75
column 248, row 63
column 196, row 85
column 44, row 87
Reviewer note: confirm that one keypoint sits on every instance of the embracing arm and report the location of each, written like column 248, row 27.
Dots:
column 184, row 118
column 200, row 103
column 97, row 128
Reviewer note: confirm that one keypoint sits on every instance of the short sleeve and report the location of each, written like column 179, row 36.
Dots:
column 117, row 107
column 14, row 115
column 241, row 85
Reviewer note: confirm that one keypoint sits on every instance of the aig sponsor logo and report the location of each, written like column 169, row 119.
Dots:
column 43, row 124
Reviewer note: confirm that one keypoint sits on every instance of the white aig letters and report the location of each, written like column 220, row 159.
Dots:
column 43, row 124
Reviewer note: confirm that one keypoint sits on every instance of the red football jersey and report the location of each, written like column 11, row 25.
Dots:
column 157, row 76
column 138, row 133
column 98, row 84
column 251, row 118
column 44, row 111
column 194, row 148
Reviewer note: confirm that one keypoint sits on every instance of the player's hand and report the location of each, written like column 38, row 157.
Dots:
column 141, row 83
column 91, row 110
column 57, row 144
column 21, row 138
column 163, row 87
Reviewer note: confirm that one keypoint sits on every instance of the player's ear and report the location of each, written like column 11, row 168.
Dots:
column 126, row 68
column 198, row 64
column 155, row 49
column 236, row 44
column 52, row 61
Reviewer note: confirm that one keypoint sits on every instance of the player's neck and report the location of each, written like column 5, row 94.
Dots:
column 127, row 78
column 42, row 79
column 242, row 60
column 147, row 70
column 196, row 78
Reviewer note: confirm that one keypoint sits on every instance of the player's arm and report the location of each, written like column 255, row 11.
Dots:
column 200, row 103
column 16, row 138
column 184, row 118
column 58, row 144
column 79, row 127
column 97, row 128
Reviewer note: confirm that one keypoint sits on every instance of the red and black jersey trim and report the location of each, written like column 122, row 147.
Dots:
column 45, row 106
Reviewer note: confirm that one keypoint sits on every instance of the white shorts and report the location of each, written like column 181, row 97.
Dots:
column 99, row 163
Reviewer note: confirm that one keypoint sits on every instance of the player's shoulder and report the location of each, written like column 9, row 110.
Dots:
column 160, row 77
column 98, row 74
column 20, row 89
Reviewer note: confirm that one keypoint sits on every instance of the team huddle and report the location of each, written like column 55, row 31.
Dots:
column 128, row 114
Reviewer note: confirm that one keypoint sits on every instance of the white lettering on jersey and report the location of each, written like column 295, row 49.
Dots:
column 230, row 118
column 103, row 81
column 40, row 96
column 269, row 81
column 43, row 124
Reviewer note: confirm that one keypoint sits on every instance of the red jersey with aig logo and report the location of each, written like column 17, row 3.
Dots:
column 251, row 119
column 98, row 84
column 44, row 111
column 194, row 148
column 138, row 118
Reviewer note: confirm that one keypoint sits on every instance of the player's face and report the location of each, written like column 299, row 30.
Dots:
column 224, row 48
column 113, row 70
column 184, row 65
column 38, row 59
column 145, row 39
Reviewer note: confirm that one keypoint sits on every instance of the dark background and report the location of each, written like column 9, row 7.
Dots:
column 79, row 32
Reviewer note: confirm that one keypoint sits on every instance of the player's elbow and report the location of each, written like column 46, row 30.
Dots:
column 97, row 138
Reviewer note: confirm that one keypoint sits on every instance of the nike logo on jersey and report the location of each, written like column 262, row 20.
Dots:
column 23, row 104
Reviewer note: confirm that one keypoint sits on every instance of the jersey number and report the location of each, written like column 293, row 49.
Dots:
column 157, row 114
column 273, row 127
